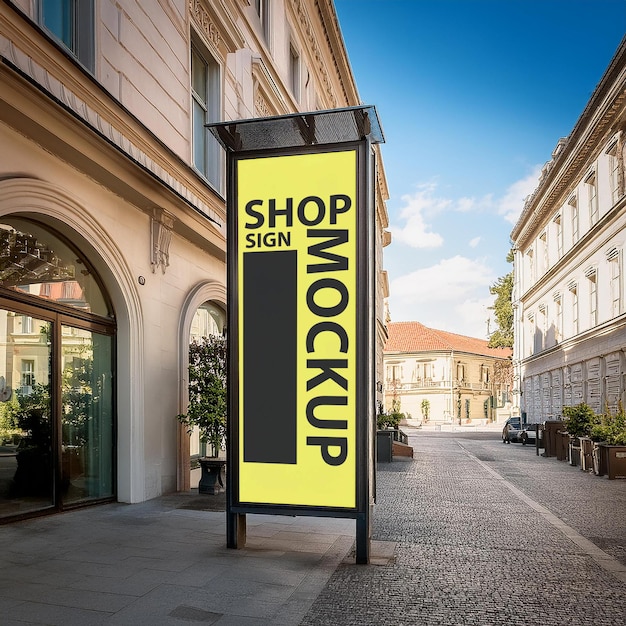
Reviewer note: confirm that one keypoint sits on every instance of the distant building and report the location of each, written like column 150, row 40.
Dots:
column 570, row 315
column 113, row 223
column 441, row 377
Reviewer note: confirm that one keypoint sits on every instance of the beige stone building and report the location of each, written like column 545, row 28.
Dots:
column 439, row 377
column 112, row 222
column 570, row 315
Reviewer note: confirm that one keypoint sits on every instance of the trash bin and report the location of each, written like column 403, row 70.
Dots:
column 384, row 446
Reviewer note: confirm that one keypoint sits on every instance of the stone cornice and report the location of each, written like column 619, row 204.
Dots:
column 601, row 117
column 334, row 38
column 311, row 39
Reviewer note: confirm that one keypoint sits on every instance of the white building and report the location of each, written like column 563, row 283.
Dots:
column 570, row 315
column 112, row 222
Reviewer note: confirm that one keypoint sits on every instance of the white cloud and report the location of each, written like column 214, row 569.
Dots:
column 474, row 242
column 452, row 295
column 416, row 232
column 465, row 205
column 511, row 205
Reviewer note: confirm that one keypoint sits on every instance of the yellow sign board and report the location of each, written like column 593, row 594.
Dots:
column 297, row 280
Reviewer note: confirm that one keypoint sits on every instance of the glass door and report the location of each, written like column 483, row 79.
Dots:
column 87, row 437
column 26, row 422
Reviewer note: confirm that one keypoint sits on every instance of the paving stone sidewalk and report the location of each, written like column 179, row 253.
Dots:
column 469, row 532
column 487, row 534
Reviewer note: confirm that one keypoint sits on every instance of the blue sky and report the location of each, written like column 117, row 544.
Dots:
column 473, row 96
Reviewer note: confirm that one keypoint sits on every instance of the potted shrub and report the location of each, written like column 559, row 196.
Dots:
column 386, row 426
column 578, row 422
column 598, row 435
column 611, row 447
column 207, row 407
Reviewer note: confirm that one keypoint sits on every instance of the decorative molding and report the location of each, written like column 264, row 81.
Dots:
column 268, row 99
column 261, row 107
column 315, row 49
column 161, row 224
column 203, row 20
column 621, row 170
column 217, row 23
column 573, row 156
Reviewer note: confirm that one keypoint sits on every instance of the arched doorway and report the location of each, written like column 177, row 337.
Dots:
column 209, row 319
column 57, row 346
column 203, row 314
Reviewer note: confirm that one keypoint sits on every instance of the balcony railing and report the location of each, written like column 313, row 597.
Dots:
column 428, row 383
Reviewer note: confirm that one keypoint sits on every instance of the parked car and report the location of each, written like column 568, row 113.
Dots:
column 528, row 434
column 511, row 430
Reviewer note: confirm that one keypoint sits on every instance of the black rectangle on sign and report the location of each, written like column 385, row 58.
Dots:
column 269, row 356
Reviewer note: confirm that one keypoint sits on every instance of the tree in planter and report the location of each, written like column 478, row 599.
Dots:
column 610, row 438
column 578, row 423
column 425, row 406
column 611, row 428
column 579, row 419
column 207, row 391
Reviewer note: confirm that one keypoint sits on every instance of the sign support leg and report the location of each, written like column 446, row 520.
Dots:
column 363, row 538
column 235, row 530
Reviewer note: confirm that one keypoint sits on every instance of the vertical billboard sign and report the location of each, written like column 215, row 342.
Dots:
column 298, row 323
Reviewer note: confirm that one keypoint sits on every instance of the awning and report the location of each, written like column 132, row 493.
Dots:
column 300, row 129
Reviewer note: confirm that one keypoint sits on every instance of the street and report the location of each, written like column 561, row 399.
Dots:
column 486, row 533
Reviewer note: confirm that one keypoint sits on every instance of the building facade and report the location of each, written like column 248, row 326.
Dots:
column 439, row 377
column 112, row 222
column 568, row 297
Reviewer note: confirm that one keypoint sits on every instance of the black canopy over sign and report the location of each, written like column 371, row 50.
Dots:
column 295, row 130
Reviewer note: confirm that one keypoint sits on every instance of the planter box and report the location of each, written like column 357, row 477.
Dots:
column 586, row 454
column 600, row 458
column 384, row 446
column 616, row 461
column 550, row 429
column 574, row 451
column 562, row 446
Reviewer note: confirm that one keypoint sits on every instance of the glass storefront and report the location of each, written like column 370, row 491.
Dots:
column 86, row 415
column 57, row 412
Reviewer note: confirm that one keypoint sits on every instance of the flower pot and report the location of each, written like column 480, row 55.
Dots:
column 212, row 477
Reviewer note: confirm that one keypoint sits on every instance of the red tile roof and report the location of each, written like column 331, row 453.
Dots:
column 415, row 337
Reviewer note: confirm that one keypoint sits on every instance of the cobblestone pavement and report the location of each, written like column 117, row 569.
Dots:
column 486, row 533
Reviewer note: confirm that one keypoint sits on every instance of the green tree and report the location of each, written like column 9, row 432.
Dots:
column 502, row 337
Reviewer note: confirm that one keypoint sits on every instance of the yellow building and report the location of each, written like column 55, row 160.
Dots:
column 439, row 377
